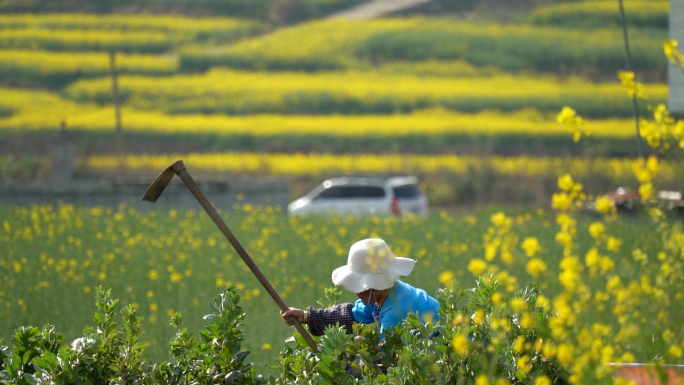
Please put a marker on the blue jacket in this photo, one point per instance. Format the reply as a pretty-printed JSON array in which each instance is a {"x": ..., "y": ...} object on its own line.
[{"x": 401, "y": 300}]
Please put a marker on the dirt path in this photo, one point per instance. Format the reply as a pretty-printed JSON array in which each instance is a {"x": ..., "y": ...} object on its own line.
[{"x": 376, "y": 8}]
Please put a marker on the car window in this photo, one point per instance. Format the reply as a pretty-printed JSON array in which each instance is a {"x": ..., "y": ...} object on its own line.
[
  {"x": 351, "y": 192},
  {"x": 371, "y": 192},
  {"x": 407, "y": 191},
  {"x": 330, "y": 193}
]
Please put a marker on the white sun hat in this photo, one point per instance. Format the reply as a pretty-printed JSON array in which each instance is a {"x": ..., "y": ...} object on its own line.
[{"x": 371, "y": 265}]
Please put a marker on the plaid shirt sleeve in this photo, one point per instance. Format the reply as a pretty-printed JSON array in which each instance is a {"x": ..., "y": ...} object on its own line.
[{"x": 319, "y": 319}]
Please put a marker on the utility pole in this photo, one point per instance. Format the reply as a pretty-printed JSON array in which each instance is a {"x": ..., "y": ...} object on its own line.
[{"x": 117, "y": 107}]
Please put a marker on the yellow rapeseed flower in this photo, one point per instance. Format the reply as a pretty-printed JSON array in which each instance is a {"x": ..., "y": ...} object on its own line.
[
  {"x": 633, "y": 87},
  {"x": 646, "y": 191},
  {"x": 524, "y": 364},
  {"x": 607, "y": 354},
  {"x": 500, "y": 219},
  {"x": 566, "y": 183},
  {"x": 592, "y": 259},
  {"x": 548, "y": 351},
  {"x": 507, "y": 257},
  {"x": 531, "y": 246},
  {"x": 519, "y": 344},
  {"x": 672, "y": 53},
  {"x": 569, "y": 279},
  {"x": 605, "y": 205},
  {"x": 561, "y": 201},
  {"x": 477, "y": 266},
  {"x": 597, "y": 230},
  {"x": 446, "y": 278},
  {"x": 479, "y": 317},
  {"x": 606, "y": 264},
  {"x": 482, "y": 379},
  {"x": 613, "y": 284},
  {"x": 565, "y": 221},
  {"x": 652, "y": 164},
  {"x": 460, "y": 343},
  {"x": 614, "y": 244},
  {"x": 518, "y": 304},
  {"x": 542, "y": 302},
  {"x": 627, "y": 357},
  {"x": 526, "y": 321},
  {"x": 491, "y": 250},
  {"x": 535, "y": 267},
  {"x": 565, "y": 354},
  {"x": 569, "y": 118}
]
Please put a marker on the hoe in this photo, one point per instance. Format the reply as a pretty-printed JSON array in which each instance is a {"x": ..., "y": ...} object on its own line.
[{"x": 157, "y": 188}]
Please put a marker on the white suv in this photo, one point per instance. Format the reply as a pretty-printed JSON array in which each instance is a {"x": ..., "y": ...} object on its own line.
[{"x": 366, "y": 194}]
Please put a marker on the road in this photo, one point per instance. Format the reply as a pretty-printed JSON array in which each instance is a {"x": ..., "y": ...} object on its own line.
[{"x": 376, "y": 8}]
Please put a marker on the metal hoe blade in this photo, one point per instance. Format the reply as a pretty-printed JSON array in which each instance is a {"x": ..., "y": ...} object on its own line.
[{"x": 157, "y": 187}]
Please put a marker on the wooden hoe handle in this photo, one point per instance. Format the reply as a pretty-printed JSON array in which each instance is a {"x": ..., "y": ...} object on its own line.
[{"x": 179, "y": 169}]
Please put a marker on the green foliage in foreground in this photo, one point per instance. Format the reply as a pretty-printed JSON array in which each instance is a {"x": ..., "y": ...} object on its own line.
[
  {"x": 455, "y": 350},
  {"x": 413, "y": 353},
  {"x": 106, "y": 354}
]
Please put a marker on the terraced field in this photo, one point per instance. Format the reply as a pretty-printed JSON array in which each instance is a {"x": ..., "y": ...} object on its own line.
[{"x": 298, "y": 88}]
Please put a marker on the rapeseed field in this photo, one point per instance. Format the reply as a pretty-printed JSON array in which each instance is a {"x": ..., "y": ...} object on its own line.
[{"x": 612, "y": 281}]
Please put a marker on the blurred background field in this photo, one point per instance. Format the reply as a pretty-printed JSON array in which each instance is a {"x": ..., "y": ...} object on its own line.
[{"x": 452, "y": 78}]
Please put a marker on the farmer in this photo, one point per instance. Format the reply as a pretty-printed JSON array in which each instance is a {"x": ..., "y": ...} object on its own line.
[{"x": 372, "y": 273}]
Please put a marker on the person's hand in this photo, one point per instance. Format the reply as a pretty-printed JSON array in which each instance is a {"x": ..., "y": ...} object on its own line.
[{"x": 293, "y": 313}]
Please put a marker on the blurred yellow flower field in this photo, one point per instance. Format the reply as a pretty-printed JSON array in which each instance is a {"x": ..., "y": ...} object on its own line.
[
  {"x": 326, "y": 164},
  {"x": 127, "y": 33},
  {"x": 613, "y": 282},
  {"x": 353, "y": 92},
  {"x": 33, "y": 110},
  {"x": 82, "y": 21},
  {"x": 39, "y": 67}
]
